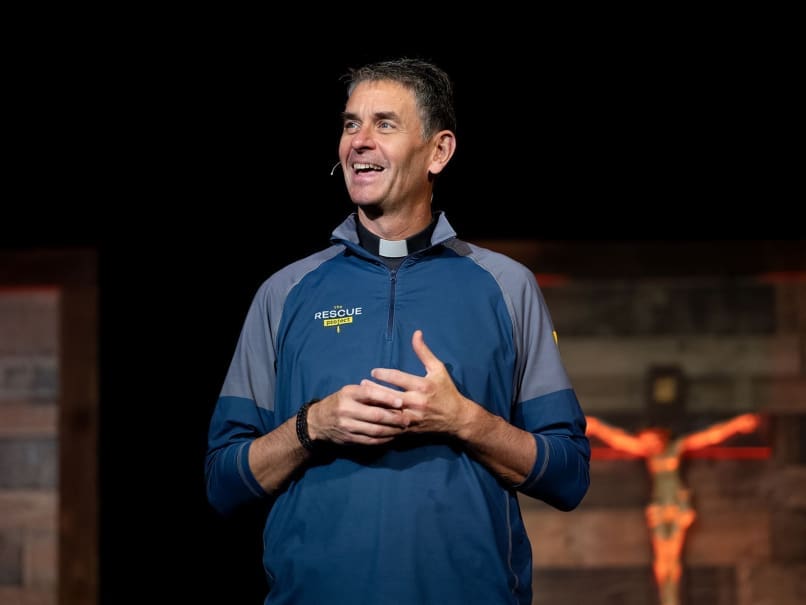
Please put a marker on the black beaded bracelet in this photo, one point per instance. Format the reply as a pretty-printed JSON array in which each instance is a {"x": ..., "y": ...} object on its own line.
[{"x": 302, "y": 427}]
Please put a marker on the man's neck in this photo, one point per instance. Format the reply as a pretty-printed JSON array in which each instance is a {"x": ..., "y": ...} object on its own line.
[
  {"x": 395, "y": 249},
  {"x": 398, "y": 225}
]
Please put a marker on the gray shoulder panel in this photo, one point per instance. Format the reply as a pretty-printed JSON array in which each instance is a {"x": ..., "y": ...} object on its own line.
[
  {"x": 539, "y": 367},
  {"x": 251, "y": 373}
]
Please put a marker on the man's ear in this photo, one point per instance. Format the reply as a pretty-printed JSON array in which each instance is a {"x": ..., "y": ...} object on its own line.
[{"x": 444, "y": 148}]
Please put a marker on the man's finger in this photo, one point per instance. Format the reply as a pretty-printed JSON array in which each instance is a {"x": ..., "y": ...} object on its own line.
[{"x": 430, "y": 361}]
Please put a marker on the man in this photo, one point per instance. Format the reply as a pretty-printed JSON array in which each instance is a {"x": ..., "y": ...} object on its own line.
[{"x": 391, "y": 395}]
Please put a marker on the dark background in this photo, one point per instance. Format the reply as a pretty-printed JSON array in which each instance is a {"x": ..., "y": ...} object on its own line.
[{"x": 196, "y": 161}]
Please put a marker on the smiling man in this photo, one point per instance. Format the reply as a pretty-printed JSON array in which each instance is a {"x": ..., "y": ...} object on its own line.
[{"x": 391, "y": 395}]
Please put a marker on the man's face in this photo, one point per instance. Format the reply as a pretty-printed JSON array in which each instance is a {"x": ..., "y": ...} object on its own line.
[{"x": 384, "y": 156}]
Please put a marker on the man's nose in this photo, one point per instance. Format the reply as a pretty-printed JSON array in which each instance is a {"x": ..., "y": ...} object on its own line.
[{"x": 363, "y": 138}]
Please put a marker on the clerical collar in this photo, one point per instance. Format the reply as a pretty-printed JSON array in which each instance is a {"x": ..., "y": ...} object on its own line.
[{"x": 394, "y": 248}]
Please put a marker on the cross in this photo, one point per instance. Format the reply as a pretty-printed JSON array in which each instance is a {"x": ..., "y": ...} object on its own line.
[{"x": 669, "y": 513}]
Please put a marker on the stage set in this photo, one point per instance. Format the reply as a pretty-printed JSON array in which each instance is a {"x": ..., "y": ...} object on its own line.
[{"x": 692, "y": 376}]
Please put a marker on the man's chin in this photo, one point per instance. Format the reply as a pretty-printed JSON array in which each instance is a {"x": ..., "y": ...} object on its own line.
[
  {"x": 371, "y": 210},
  {"x": 365, "y": 202}
]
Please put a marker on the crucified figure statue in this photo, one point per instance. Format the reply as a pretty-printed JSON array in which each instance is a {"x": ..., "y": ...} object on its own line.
[{"x": 669, "y": 513}]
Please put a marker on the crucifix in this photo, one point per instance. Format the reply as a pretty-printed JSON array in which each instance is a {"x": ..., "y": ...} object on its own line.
[{"x": 670, "y": 512}]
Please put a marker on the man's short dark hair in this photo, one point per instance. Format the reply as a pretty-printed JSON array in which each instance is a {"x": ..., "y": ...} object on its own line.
[{"x": 431, "y": 85}]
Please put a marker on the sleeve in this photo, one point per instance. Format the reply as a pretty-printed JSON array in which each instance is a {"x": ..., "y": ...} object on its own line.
[
  {"x": 561, "y": 474},
  {"x": 547, "y": 406},
  {"x": 243, "y": 412}
]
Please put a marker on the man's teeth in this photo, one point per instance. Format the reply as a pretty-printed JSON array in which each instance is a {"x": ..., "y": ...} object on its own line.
[{"x": 366, "y": 167}]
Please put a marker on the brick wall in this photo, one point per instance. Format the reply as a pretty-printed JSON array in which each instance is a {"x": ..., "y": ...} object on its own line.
[
  {"x": 29, "y": 390},
  {"x": 741, "y": 343}
]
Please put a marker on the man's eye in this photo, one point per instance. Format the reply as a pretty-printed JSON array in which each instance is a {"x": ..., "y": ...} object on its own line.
[
  {"x": 385, "y": 125},
  {"x": 350, "y": 126}
]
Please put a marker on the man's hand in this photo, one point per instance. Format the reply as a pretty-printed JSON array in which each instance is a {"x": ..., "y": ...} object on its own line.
[
  {"x": 430, "y": 403},
  {"x": 366, "y": 414}
]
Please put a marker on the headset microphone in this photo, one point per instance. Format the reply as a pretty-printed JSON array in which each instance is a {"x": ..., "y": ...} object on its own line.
[{"x": 337, "y": 164}]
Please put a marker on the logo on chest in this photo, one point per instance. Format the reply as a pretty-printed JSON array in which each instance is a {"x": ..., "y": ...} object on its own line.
[{"x": 337, "y": 316}]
